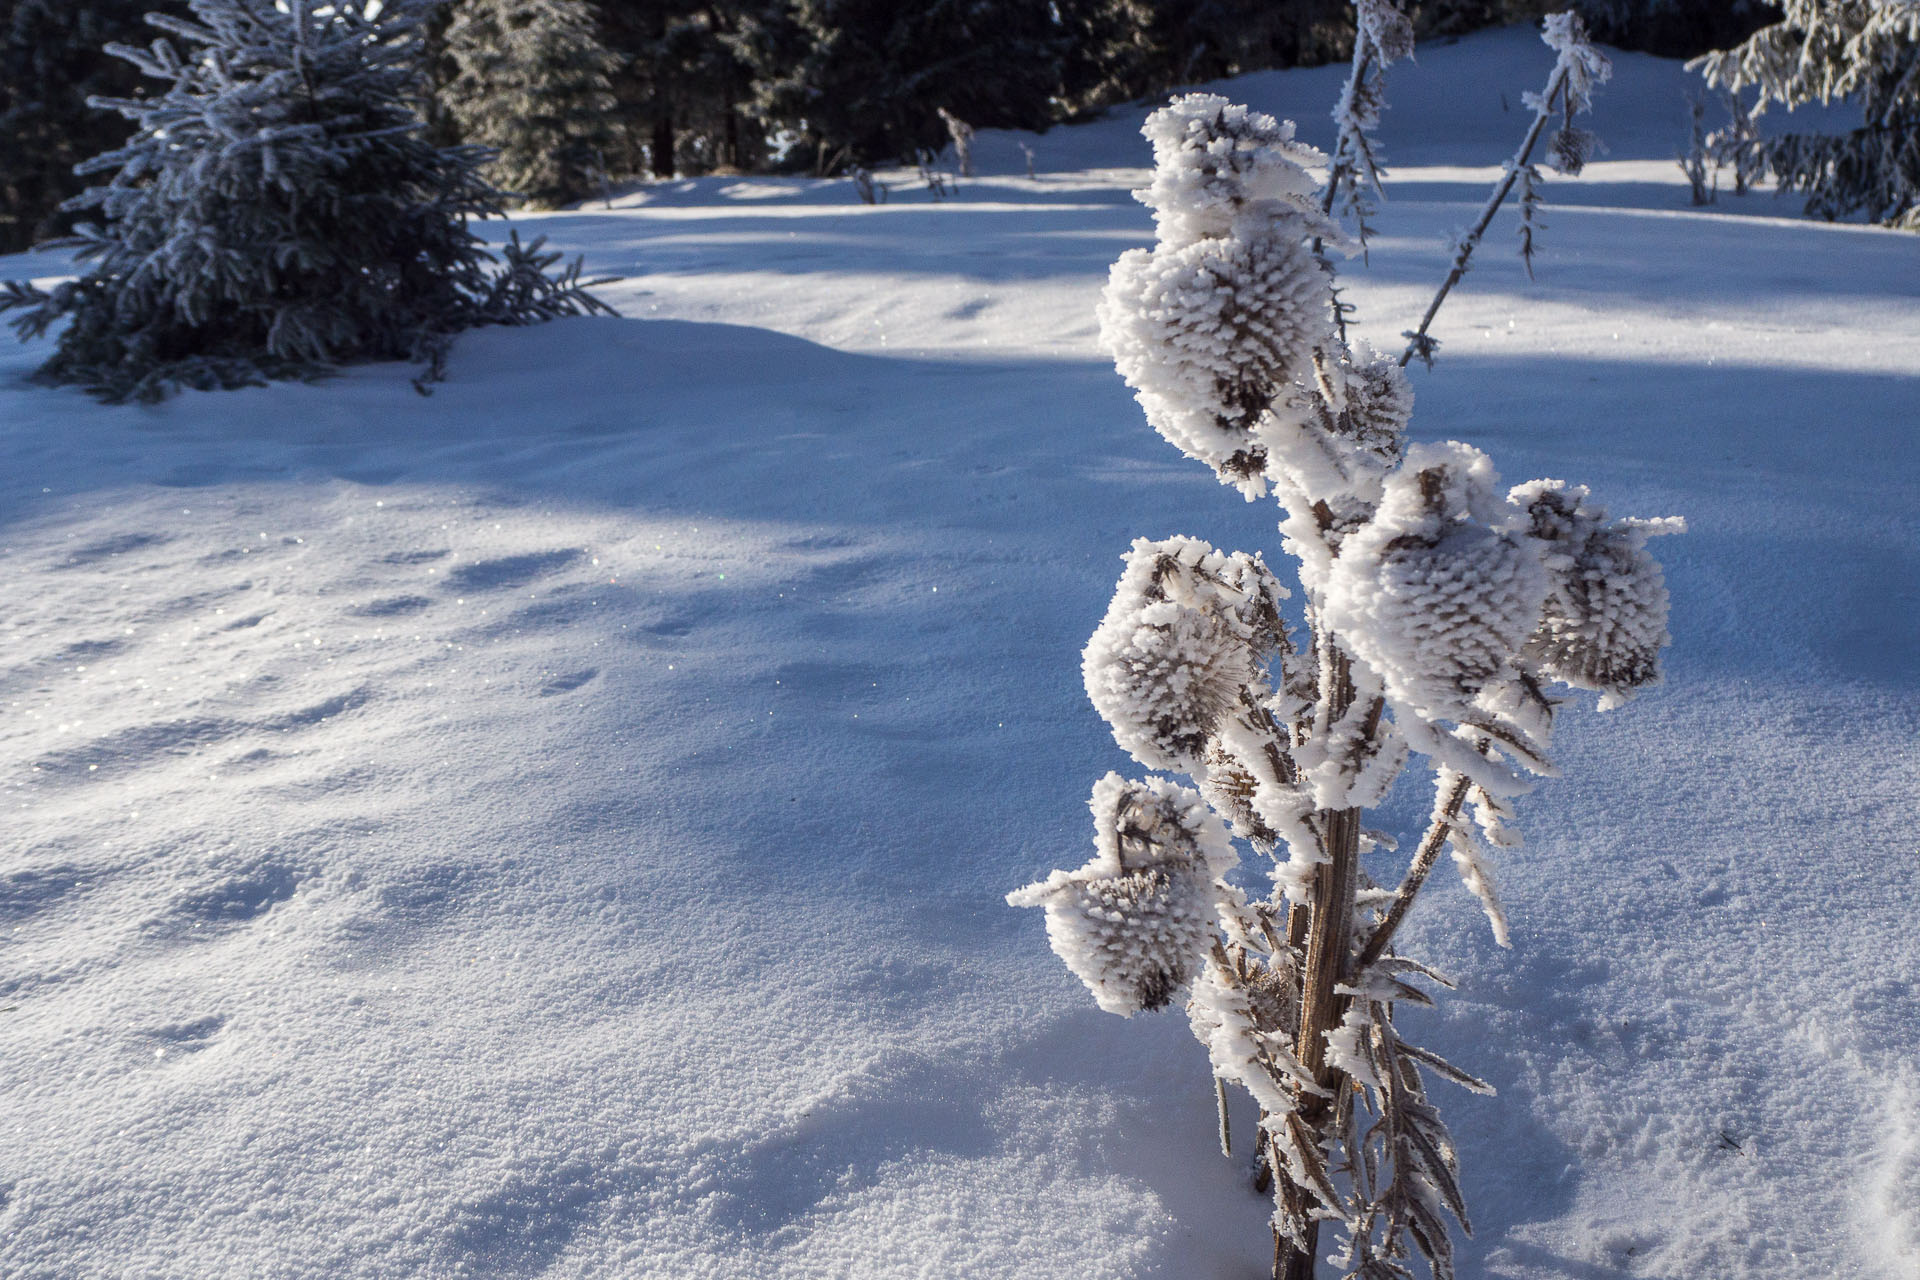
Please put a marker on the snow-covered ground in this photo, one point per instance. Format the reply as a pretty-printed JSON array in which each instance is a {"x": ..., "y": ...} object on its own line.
[{"x": 559, "y": 827}]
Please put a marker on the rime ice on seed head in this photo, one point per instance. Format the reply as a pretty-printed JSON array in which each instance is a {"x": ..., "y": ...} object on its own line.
[
  {"x": 1136, "y": 922},
  {"x": 1189, "y": 628},
  {"x": 1209, "y": 333},
  {"x": 1215, "y": 325},
  {"x": 1434, "y": 594},
  {"x": 1387, "y": 27},
  {"x": 1585, "y": 66},
  {"x": 1379, "y": 403},
  {"x": 1605, "y": 619},
  {"x": 1221, "y": 169},
  {"x": 1566, "y": 34}
]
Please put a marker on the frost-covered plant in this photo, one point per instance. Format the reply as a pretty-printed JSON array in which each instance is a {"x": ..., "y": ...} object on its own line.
[
  {"x": 867, "y": 187},
  {"x": 1382, "y": 35},
  {"x": 279, "y": 212},
  {"x": 962, "y": 134},
  {"x": 1862, "y": 51},
  {"x": 1439, "y": 609},
  {"x": 532, "y": 83},
  {"x": 1694, "y": 161}
]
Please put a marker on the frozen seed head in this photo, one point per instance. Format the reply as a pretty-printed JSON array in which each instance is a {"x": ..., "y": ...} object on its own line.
[
  {"x": 1433, "y": 595},
  {"x": 1136, "y": 922},
  {"x": 1388, "y": 27},
  {"x": 1184, "y": 641},
  {"x": 1379, "y": 404},
  {"x": 1604, "y": 621},
  {"x": 1585, "y": 66},
  {"x": 1210, "y": 334},
  {"x": 1221, "y": 168}
]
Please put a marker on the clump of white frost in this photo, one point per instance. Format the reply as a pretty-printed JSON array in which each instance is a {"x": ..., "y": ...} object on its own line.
[
  {"x": 1137, "y": 921},
  {"x": 1566, "y": 34},
  {"x": 1605, "y": 620},
  {"x": 1583, "y": 67},
  {"x": 1437, "y": 594},
  {"x": 1223, "y": 169},
  {"x": 1378, "y": 401},
  {"x": 1216, "y": 328},
  {"x": 1209, "y": 333},
  {"x": 1222, "y": 1016},
  {"x": 1188, "y": 631}
]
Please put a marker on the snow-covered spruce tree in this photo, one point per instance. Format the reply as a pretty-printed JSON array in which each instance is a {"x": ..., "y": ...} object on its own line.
[
  {"x": 278, "y": 212},
  {"x": 531, "y": 83},
  {"x": 1862, "y": 51},
  {"x": 1439, "y": 611}
]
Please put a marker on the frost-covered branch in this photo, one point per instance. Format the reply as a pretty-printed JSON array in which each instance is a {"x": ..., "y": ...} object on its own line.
[
  {"x": 1569, "y": 91},
  {"x": 1382, "y": 35},
  {"x": 1865, "y": 51}
]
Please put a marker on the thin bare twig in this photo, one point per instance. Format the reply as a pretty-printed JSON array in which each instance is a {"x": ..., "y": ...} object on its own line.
[
  {"x": 1418, "y": 341},
  {"x": 1423, "y": 859}
]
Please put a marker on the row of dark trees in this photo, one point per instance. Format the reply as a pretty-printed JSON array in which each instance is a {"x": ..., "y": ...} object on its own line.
[{"x": 577, "y": 92}]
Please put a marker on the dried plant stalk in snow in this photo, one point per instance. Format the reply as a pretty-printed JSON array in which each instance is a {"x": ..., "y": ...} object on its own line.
[{"x": 1438, "y": 611}]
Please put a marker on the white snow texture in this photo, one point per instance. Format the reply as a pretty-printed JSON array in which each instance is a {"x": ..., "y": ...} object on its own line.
[{"x": 556, "y": 828}]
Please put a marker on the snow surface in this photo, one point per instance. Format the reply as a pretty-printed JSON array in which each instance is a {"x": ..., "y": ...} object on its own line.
[{"x": 560, "y": 826}]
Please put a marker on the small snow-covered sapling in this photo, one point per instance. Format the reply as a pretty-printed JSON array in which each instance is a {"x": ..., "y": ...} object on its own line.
[
  {"x": 1439, "y": 611},
  {"x": 279, "y": 211},
  {"x": 1862, "y": 51}
]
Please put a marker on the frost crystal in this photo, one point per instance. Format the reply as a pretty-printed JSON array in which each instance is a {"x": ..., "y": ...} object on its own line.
[
  {"x": 1433, "y": 595},
  {"x": 1566, "y": 34},
  {"x": 1136, "y": 922},
  {"x": 1605, "y": 619},
  {"x": 1188, "y": 630}
]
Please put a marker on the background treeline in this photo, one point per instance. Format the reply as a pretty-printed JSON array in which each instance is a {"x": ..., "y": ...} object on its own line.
[{"x": 578, "y": 93}]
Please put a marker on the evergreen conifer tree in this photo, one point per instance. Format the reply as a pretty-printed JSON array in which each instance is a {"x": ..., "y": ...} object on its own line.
[
  {"x": 52, "y": 59},
  {"x": 1861, "y": 51},
  {"x": 278, "y": 212},
  {"x": 871, "y": 76},
  {"x": 685, "y": 79},
  {"x": 531, "y": 83}
]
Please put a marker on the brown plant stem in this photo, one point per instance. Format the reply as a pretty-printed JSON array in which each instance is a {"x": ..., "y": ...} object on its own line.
[
  {"x": 1329, "y": 928},
  {"x": 1423, "y": 859}
]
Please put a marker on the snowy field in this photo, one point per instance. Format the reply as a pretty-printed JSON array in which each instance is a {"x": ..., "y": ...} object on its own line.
[{"x": 559, "y": 827}]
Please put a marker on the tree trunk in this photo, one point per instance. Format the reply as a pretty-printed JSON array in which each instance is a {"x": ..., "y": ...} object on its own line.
[{"x": 663, "y": 142}]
